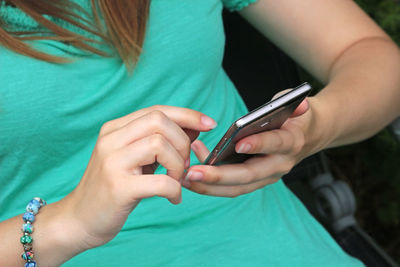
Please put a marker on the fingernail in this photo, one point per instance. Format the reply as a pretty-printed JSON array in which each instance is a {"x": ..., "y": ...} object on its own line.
[
  {"x": 186, "y": 183},
  {"x": 244, "y": 148},
  {"x": 194, "y": 176},
  {"x": 207, "y": 121},
  {"x": 187, "y": 163}
]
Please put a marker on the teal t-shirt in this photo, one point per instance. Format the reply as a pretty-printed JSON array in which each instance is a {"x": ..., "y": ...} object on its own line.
[{"x": 50, "y": 116}]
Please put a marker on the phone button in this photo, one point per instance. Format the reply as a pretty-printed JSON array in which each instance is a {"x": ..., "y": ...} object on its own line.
[{"x": 265, "y": 123}]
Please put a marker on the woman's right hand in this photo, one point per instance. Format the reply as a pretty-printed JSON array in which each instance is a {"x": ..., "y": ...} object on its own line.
[{"x": 120, "y": 171}]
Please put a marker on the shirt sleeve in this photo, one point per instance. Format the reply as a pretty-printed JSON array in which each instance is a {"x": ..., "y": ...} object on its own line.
[{"x": 236, "y": 5}]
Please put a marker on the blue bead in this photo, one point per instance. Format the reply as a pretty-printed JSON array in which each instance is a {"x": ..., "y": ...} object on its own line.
[
  {"x": 28, "y": 217},
  {"x": 30, "y": 264},
  {"x": 41, "y": 201},
  {"x": 27, "y": 228},
  {"x": 33, "y": 206}
]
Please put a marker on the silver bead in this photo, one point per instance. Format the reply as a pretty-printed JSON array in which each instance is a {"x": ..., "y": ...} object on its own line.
[{"x": 27, "y": 247}]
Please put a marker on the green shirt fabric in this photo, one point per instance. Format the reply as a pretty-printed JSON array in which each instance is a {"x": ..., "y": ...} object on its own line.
[{"x": 51, "y": 114}]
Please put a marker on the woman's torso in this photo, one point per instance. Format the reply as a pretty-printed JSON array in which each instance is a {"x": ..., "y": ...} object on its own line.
[{"x": 50, "y": 116}]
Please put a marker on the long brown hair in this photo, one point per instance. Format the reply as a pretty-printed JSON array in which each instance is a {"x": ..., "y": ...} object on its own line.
[{"x": 119, "y": 23}]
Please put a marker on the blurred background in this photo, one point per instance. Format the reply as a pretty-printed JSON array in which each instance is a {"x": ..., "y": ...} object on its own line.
[{"x": 371, "y": 168}]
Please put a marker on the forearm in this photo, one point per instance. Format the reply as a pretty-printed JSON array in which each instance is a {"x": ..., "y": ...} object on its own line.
[
  {"x": 54, "y": 238},
  {"x": 362, "y": 94}
]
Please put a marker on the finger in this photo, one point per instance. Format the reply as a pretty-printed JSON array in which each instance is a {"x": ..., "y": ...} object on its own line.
[
  {"x": 151, "y": 123},
  {"x": 281, "y": 93},
  {"x": 184, "y": 117},
  {"x": 284, "y": 140},
  {"x": 200, "y": 150},
  {"x": 252, "y": 170},
  {"x": 228, "y": 190},
  {"x": 145, "y": 186},
  {"x": 146, "y": 151},
  {"x": 301, "y": 109}
]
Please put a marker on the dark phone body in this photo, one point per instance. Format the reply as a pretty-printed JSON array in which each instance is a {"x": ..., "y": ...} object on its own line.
[{"x": 269, "y": 116}]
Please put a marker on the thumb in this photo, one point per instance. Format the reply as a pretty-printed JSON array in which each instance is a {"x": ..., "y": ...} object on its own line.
[{"x": 301, "y": 109}]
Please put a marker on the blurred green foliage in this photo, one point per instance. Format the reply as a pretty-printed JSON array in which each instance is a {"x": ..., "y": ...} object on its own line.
[
  {"x": 372, "y": 167},
  {"x": 386, "y": 13}
]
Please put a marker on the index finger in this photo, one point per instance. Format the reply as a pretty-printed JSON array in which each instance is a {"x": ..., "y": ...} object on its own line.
[
  {"x": 184, "y": 117},
  {"x": 301, "y": 108}
]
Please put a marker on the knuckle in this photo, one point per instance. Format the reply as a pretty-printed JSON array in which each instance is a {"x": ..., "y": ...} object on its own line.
[
  {"x": 158, "y": 118},
  {"x": 181, "y": 166},
  {"x": 187, "y": 142},
  {"x": 157, "y": 142},
  {"x": 107, "y": 127},
  {"x": 286, "y": 168},
  {"x": 250, "y": 175},
  {"x": 216, "y": 177},
  {"x": 156, "y": 107},
  {"x": 299, "y": 144},
  {"x": 184, "y": 147},
  {"x": 288, "y": 146},
  {"x": 178, "y": 170},
  {"x": 180, "y": 163},
  {"x": 103, "y": 143},
  {"x": 279, "y": 141}
]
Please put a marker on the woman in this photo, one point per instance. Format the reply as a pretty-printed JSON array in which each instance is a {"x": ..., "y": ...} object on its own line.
[{"x": 86, "y": 135}]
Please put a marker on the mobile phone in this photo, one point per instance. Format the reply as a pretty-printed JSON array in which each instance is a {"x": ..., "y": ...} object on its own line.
[{"x": 269, "y": 116}]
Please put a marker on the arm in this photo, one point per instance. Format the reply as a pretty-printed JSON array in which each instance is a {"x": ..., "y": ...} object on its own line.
[
  {"x": 338, "y": 44},
  {"x": 53, "y": 246},
  {"x": 121, "y": 171},
  {"x": 343, "y": 48}
]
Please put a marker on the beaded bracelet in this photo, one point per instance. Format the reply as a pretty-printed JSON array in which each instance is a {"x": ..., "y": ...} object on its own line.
[{"x": 27, "y": 228}]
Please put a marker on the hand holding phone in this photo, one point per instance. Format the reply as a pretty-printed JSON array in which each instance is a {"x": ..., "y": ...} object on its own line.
[{"x": 269, "y": 116}]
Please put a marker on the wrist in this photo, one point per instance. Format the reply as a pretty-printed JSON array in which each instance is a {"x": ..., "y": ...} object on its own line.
[{"x": 57, "y": 235}]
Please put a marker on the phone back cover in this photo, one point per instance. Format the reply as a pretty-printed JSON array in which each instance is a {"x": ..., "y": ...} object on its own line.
[{"x": 274, "y": 120}]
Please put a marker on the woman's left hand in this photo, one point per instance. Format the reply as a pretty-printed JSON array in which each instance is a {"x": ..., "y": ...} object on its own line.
[{"x": 278, "y": 151}]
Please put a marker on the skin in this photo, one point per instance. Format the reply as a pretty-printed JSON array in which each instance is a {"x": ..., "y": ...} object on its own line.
[
  {"x": 337, "y": 43},
  {"x": 343, "y": 48},
  {"x": 121, "y": 171}
]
